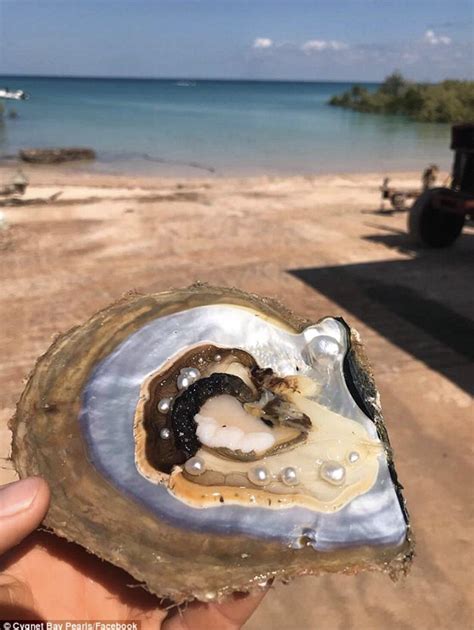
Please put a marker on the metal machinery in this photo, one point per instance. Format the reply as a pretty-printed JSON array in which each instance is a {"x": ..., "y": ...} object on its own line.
[{"x": 437, "y": 217}]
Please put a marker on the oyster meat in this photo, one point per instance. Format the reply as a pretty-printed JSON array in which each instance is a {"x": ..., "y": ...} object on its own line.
[{"x": 206, "y": 440}]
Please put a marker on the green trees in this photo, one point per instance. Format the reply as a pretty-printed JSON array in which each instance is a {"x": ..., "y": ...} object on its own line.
[
  {"x": 449, "y": 101},
  {"x": 394, "y": 85}
]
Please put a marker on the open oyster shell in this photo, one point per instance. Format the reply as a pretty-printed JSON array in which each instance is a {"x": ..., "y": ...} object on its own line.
[{"x": 206, "y": 439}]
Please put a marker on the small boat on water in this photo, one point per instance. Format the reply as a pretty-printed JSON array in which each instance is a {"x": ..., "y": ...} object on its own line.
[
  {"x": 16, "y": 95},
  {"x": 186, "y": 83}
]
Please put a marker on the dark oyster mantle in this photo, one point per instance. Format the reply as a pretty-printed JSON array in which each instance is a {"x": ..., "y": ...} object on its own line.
[
  {"x": 262, "y": 397},
  {"x": 188, "y": 404},
  {"x": 176, "y": 550}
]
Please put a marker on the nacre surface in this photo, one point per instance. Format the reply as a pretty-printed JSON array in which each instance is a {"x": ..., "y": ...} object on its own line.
[{"x": 321, "y": 490}]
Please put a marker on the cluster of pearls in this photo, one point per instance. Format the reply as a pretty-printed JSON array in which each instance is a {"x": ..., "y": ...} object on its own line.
[
  {"x": 333, "y": 472},
  {"x": 164, "y": 406},
  {"x": 195, "y": 466},
  {"x": 187, "y": 377},
  {"x": 261, "y": 476}
]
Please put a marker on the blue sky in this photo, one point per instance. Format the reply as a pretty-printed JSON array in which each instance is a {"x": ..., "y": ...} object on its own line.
[{"x": 255, "y": 39}]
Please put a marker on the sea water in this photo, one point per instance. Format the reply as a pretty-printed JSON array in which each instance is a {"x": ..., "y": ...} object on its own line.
[{"x": 222, "y": 127}]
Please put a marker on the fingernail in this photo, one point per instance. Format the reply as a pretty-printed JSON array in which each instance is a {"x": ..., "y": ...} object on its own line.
[{"x": 17, "y": 496}]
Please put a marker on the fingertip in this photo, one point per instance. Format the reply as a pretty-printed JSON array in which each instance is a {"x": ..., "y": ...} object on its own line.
[
  {"x": 40, "y": 503},
  {"x": 23, "y": 505},
  {"x": 230, "y": 614},
  {"x": 42, "y": 494}
]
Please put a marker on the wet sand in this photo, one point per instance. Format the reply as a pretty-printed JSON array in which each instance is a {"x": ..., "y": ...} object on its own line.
[{"x": 318, "y": 244}]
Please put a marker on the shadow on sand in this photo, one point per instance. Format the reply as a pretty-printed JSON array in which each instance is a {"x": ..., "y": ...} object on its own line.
[{"x": 424, "y": 305}]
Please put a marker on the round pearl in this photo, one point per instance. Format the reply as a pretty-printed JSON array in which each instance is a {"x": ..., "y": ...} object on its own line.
[
  {"x": 184, "y": 381},
  {"x": 289, "y": 476},
  {"x": 333, "y": 472},
  {"x": 193, "y": 373},
  {"x": 165, "y": 433},
  {"x": 195, "y": 466},
  {"x": 259, "y": 476},
  {"x": 323, "y": 349},
  {"x": 164, "y": 405},
  {"x": 353, "y": 457},
  {"x": 217, "y": 357}
]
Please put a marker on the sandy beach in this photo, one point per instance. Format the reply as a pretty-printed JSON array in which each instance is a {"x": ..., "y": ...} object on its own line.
[{"x": 319, "y": 244}]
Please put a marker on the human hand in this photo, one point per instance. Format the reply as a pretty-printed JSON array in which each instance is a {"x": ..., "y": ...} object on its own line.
[{"x": 46, "y": 578}]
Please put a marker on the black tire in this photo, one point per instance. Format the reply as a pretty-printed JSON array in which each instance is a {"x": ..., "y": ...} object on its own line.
[
  {"x": 429, "y": 226},
  {"x": 398, "y": 202}
]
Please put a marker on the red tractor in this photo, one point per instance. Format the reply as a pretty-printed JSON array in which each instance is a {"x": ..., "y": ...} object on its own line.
[{"x": 438, "y": 215}]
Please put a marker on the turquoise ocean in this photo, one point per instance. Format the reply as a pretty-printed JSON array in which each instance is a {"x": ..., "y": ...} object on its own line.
[{"x": 226, "y": 127}]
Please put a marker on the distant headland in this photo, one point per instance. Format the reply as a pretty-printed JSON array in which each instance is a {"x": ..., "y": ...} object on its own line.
[{"x": 450, "y": 101}]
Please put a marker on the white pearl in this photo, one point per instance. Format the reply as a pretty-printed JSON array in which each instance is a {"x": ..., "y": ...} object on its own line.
[
  {"x": 165, "y": 433},
  {"x": 183, "y": 381},
  {"x": 326, "y": 345},
  {"x": 193, "y": 373},
  {"x": 259, "y": 475},
  {"x": 333, "y": 472},
  {"x": 195, "y": 466},
  {"x": 353, "y": 457},
  {"x": 324, "y": 349},
  {"x": 164, "y": 405},
  {"x": 187, "y": 377},
  {"x": 217, "y": 357},
  {"x": 289, "y": 476}
]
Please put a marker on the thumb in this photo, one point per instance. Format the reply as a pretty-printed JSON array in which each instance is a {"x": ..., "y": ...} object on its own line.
[
  {"x": 230, "y": 614},
  {"x": 23, "y": 505}
]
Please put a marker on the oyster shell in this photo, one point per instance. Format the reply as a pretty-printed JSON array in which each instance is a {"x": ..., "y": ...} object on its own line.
[{"x": 206, "y": 439}]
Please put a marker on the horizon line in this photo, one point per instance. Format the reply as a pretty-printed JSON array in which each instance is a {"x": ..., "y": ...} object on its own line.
[{"x": 181, "y": 78}]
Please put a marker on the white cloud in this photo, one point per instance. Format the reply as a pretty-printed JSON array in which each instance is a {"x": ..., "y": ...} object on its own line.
[
  {"x": 263, "y": 42},
  {"x": 410, "y": 57},
  {"x": 430, "y": 37},
  {"x": 316, "y": 45}
]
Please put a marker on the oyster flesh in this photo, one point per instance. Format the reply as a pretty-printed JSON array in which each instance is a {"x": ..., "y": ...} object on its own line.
[{"x": 206, "y": 440}]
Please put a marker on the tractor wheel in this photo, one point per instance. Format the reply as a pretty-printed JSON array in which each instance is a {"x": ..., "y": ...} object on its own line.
[
  {"x": 398, "y": 202},
  {"x": 430, "y": 226}
]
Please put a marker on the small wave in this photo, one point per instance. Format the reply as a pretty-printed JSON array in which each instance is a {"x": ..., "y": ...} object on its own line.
[{"x": 124, "y": 157}]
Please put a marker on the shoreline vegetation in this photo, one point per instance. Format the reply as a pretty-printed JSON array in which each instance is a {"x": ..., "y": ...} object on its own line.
[{"x": 451, "y": 101}]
